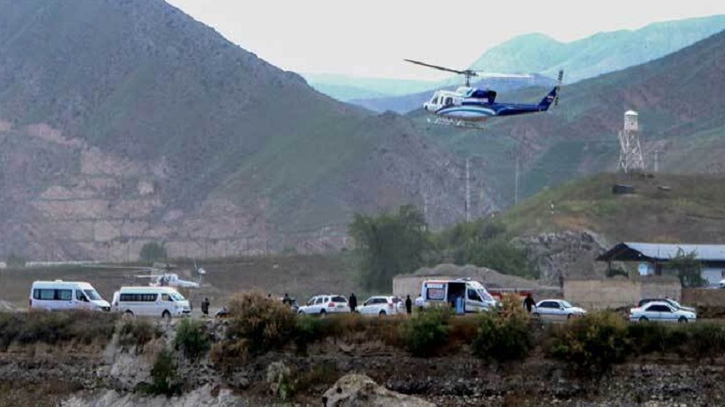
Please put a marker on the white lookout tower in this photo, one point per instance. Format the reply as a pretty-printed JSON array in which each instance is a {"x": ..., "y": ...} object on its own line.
[{"x": 630, "y": 153}]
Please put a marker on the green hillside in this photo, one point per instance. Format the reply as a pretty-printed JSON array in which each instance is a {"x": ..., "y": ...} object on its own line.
[
  {"x": 599, "y": 53},
  {"x": 664, "y": 208}
]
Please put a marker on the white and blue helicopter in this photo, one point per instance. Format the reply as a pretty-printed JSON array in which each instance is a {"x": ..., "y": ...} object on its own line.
[{"x": 467, "y": 106}]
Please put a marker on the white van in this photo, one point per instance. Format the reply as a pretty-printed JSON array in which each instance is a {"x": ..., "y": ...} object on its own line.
[
  {"x": 151, "y": 301},
  {"x": 440, "y": 292},
  {"x": 65, "y": 295}
]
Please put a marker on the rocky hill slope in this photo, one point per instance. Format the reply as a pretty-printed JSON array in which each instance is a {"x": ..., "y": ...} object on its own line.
[{"x": 128, "y": 122}]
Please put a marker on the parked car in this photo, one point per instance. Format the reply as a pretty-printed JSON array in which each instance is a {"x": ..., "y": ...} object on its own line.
[
  {"x": 382, "y": 305},
  {"x": 325, "y": 304},
  {"x": 557, "y": 310},
  {"x": 672, "y": 302},
  {"x": 65, "y": 295},
  {"x": 661, "y": 311}
]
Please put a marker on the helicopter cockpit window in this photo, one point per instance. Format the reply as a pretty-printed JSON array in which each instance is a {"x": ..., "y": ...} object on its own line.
[
  {"x": 434, "y": 101},
  {"x": 449, "y": 101}
]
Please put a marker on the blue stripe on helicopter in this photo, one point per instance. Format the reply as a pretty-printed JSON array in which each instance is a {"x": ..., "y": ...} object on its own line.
[{"x": 446, "y": 110}]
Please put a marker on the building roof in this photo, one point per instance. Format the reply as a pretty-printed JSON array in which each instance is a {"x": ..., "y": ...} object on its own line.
[{"x": 636, "y": 251}]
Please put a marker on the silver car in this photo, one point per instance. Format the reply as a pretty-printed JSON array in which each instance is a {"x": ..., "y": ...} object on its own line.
[
  {"x": 661, "y": 311},
  {"x": 556, "y": 310}
]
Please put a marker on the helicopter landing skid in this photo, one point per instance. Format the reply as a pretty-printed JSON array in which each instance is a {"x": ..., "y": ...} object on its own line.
[{"x": 457, "y": 123}]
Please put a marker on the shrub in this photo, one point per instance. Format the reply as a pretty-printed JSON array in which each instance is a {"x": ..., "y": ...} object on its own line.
[
  {"x": 593, "y": 343},
  {"x": 706, "y": 340},
  {"x": 308, "y": 330},
  {"x": 152, "y": 251},
  {"x": 648, "y": 337},
  {"x": 55, "y": 327},
  {"x": 192, "y": 338},
  {"x": 504, "y": 335},
  {"x": 261, "y": 323},
  {"x": 164, "y": 375},
  {"x": 427, "y": 332},
  {"x": 137, "y": 332}
]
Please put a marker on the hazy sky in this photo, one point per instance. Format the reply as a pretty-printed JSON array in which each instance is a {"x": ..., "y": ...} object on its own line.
[{"x": 371, "y": 37}]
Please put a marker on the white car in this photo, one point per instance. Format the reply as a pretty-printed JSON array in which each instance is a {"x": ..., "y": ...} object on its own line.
[
  {"x": 661, "y": 311},
  {"x": 325, "y": 304},
  {"x": 382, "y": 305},
  {"x": 556, "y": 310}
]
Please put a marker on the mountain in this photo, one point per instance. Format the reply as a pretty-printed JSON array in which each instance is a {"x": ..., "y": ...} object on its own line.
[
  {"x": 598, "y": 54},
  {"x": 406, "y": 103},
  {"x": 346, "y": 88},
  {"x": 125, "y": 122},
  {"x": 680, "y": 99}
]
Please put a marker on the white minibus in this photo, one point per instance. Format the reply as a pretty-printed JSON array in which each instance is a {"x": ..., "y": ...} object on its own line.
[
  {"x": 65, "y": 295},
  {"x": 151, "y": 301}
]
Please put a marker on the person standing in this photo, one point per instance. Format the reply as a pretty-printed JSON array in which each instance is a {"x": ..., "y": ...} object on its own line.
[
  {"x": 529, "y": 303},
  {"x": 353, "y": 302},
  {"x": 205, "y": 307},
  {"x": 408, "y": 305}
]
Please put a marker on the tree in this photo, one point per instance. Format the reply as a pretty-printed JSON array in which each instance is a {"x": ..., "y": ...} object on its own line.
[
  {"x": 687, "y": 268},
  {"x": 15, "y": 260},
  {"x": 389, "y": 245},
  {"x": 152, "y": 251}
]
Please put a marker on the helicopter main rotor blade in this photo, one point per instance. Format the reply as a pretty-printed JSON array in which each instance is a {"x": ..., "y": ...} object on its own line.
[
  {"x": 483, "y": 74},
  {"x": 119, "y": 267},
  {"x": 442, "y": 68}
]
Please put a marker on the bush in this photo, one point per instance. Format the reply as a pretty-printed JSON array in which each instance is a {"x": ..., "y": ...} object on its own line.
[
  {"x": 427, "y": 332},
  {"x": 648, "y": 338},
  {"x": 137, "y": 332},
  {"x": 308, "y": 330},
  {"x": 260, "y": 323},
  {"x": 706, "y": 340},
  {"x": 593, "y": 343},
  {"x": 164, "y": 375},
  {"x": 192, "y": 338},
  {"x": 504, "y": 335}
]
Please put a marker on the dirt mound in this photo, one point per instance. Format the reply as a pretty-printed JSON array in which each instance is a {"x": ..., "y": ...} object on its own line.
[{"x": 490, "y": 278}]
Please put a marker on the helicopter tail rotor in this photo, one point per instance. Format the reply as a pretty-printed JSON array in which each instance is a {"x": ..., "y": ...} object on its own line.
[{"x": 558, "y": 87}]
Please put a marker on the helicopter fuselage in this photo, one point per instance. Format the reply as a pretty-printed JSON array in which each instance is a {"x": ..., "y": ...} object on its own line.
[{"x": 472, "y": 104}]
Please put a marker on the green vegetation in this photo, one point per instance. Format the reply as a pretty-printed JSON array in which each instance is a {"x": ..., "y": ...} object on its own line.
[
  {"x": 592, "y": 343},
  {"x": 152, "y": 251},
  {"x": 55, "y": 328},
  {"x": 653, "y": 214},
  {"x": 192, "y": 339},
  {"x": 427, "y": 332},
  {"x": 504, "y": 335},
  {"x": 389, "y": 245},
  {"x": 165, "y": 376},
  {"x": 258, "y": 325},
  {"x": 137, "y": 332},
  {"x": 687, "y": 268}
]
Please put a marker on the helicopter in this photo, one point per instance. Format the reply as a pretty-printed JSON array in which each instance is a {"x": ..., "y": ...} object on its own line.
[
  {"x": 468, "y": 105},
  {"x": 161, "y": 276}
]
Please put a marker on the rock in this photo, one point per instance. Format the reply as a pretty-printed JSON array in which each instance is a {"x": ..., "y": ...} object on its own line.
[
  {"x": 279, "y": 380},
  {"x": 356, "y": 390}
]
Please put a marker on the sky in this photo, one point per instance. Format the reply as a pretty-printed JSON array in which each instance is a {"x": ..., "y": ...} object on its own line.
[{"x": 371, "y": 37}]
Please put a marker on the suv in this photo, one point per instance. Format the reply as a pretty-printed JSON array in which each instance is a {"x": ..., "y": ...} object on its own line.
[
  {"x": 382, "y": 305},
  {"x": 325, "y": 304},
  {"x": 670, "y": 301}
]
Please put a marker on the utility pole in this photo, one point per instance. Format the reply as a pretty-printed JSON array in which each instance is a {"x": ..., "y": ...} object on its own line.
[
  {"x": 656, "y": 159},
  {"x": 516, "y": 182},
  {"x": 468, "y": 190}
]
